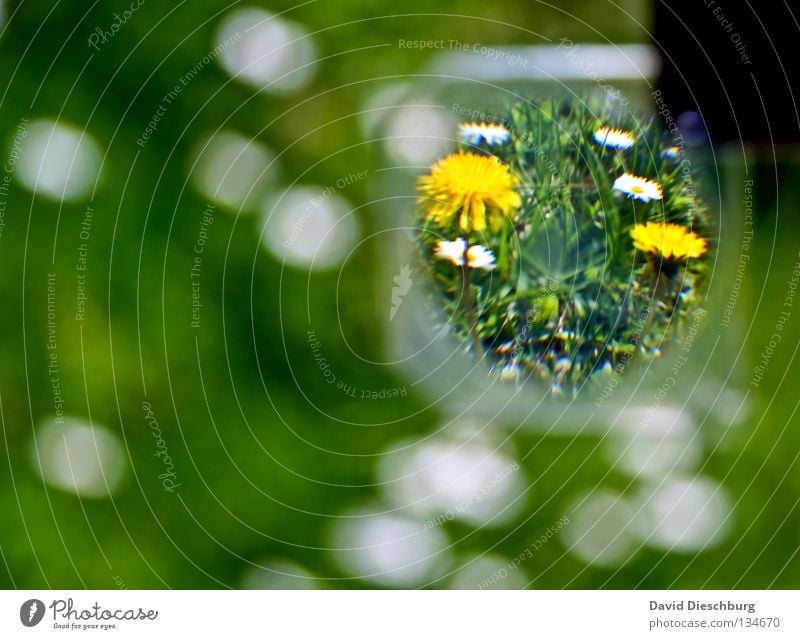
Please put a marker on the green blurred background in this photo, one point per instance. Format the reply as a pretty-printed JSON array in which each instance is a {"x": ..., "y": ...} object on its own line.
[{"x": 275, "y": 466}]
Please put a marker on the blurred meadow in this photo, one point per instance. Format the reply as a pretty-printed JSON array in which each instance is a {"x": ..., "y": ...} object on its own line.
[{"x": 208, "y": 381}]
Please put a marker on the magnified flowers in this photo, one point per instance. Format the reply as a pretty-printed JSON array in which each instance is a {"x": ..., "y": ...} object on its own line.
[
  {"x": 477, "y": 256},
  {"x": 490, "y": 133},
  {"x": 470, "y": 187},
  {"x": 563, "y": 277},
  {"x": 638, "y": 187},
  {"x": 667, "y": 240},
  {"x": 615, "y": 138}
]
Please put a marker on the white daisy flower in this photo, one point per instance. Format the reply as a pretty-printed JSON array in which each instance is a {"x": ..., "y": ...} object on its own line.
[
  {"x": 475, "y": 132},
  {"x": 615, "y": 138},
  {"x": 480, "y": 257},
  {"x": 477, "y": 256},
  {"x": 453, "y": 251},
  {"x": 638, "y": 187}
]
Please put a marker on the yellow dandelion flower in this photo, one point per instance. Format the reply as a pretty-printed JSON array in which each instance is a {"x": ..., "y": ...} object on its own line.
[
  {"x": 671, "y": 241},
  {"x": 614, "y": 138},
  {"x": 474, "y": 187},
  {"x": 638, "y": 187}
]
